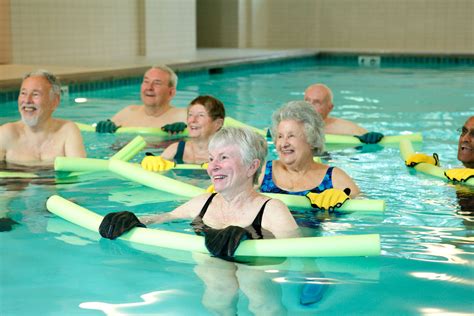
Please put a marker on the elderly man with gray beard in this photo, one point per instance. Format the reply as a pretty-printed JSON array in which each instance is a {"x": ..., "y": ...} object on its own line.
[{"x": 38, "y": 138}]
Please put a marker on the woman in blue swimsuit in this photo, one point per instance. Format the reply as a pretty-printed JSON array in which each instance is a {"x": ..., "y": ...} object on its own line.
[
  {"x": 205, "y": 117},
  {"x": 298, "y": 135}
]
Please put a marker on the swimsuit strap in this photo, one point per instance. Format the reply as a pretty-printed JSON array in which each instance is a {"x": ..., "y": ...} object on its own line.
[
  {"x": 180, "y": 152},
  {"x": 257, "y": 222},
  {"x": 206, "y": 205}
]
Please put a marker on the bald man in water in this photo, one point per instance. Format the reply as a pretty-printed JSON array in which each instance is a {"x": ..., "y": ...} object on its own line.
[
  {"x": 38, "y": 138},
  {"x": 157, "y": 90},
  {"x": 321, "y": 97}
]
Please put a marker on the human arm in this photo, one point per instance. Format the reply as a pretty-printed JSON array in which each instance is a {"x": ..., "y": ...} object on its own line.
[
  {"x": 341, "y": 181},
  {"x": 4, "y": 139},
  {"x": 339, "y": 126},
  {"x": 278, "y": 220},
  {"x": 170, "y": 152},
  {"x": 188, "y": 210},
  {"x": 74, "y": 145}
]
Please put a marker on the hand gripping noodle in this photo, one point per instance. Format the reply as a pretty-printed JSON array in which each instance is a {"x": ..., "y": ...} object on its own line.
[
  {"x": 348, "y": 139},
  {"x": 406, "y": 150},
  {"x": 163, "y": 183},
  {"x": 332, "y": 246},
  {"x": 133, "y": 130}
]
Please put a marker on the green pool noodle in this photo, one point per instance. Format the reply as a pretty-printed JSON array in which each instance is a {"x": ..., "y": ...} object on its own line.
[
  {"x": 17, "y": 174},
  {"x": 406, "y": 150},
  {"x": 231, "y": 122},
  {"x": 131, "y": 130},
  {"x": 331, "y": 246},
  {"x": 348, "y": 139},
  {"x": 163, "y": 183},
  {"x": 75, "y": 164},
  {"x": 131, "y": 149},
  {"x": 154, "y": 180}
]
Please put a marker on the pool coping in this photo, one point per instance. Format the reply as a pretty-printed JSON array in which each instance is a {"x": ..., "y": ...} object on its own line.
[{"x": 87, "y": 77}]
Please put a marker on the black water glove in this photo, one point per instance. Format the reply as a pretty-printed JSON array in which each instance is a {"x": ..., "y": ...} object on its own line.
[
  {"x": 174, "y": 128},
  {"x": 106, "y": 126},
  {"x": 6, "y": 224},
  {"x": 370, "y": 137},
  {"x": 115, "y": 224},
  {"x": 222, "y": 243}
]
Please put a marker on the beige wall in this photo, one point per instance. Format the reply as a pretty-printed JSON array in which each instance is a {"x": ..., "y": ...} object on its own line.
[
  {"x": 444, "y": 26},
  {"x": 5, "y": 33},
  {"x": 71, "y": 31},
  {"x": 218, "y": 23},
  {"x": 170, "y": 27}
]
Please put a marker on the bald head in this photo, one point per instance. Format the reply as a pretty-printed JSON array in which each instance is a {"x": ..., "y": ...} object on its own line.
[{"x": 320, "y": 96}]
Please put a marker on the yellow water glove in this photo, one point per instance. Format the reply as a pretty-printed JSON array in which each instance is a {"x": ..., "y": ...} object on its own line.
[
  {"x": 204, "y": 165},
  {"x": 417, "y": 158},
  {"x": 156, "y": 163},
  {"x": 459, "y": 175},
  {"x": 329, "y": 199},
  {"x": 211, "y": 189}
]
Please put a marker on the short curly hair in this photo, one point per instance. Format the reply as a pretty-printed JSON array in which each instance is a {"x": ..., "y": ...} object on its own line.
[{"x": 303, "y": 112}]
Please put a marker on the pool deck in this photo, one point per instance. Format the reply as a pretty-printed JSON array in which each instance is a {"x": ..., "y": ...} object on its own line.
[{"x": 105, "y": 69}]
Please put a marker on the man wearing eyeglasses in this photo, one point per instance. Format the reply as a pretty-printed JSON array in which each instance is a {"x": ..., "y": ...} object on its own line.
[{"x": 465, "y": 155}]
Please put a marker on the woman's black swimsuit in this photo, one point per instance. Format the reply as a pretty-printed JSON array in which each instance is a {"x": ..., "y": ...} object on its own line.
[{"x": 255, "y": 229}]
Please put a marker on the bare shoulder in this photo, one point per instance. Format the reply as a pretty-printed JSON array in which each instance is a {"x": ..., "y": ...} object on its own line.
[
  {"x": 10, "y": 127},
  {"x": 67, "y": 126},
  {"x": 178, "y": 113},
  {"x": 277, "y": 210},
  {"x": 127, "y": 110},
  {"x": 335, "y": 125},
  {"x": 191, "y": 208},
  {"x": 342, "y": 180},
  {"x": 10, "y": 131},
  {"x": 278, "y": 220},
  {"x": 170, "y": 151}
]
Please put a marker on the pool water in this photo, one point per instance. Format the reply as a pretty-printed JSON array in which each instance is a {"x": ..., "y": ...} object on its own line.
[{"x": 51, "y": 267}]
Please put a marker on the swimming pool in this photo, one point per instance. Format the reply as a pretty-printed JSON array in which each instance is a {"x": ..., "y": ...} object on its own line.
[{"x": 51, "y": 267}]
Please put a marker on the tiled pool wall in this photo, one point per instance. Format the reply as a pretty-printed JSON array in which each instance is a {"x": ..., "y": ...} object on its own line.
[{"x": 363, "y": 60}]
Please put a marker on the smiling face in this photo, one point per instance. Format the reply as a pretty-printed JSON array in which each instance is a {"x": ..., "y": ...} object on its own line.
[
  {"x": 226, "y": 169},
  {"x": 36, "y": 102},
  {"x": 200, "y": 124},
  {"x": 155, "y": 89},
  {"x": 291, "y": 144},
  {"x": 466, "y": 144}
]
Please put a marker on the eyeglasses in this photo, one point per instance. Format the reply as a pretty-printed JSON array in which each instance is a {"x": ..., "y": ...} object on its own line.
[{"x": 463, "y": 131}]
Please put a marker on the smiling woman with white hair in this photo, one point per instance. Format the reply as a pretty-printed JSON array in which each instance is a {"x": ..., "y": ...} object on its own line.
[
  {"x": 236, "y": 211},
  {"x": 298, "y": 134}
]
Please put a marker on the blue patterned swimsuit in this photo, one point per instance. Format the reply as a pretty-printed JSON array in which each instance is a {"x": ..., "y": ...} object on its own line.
[{"x": 269, "y": 186}]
